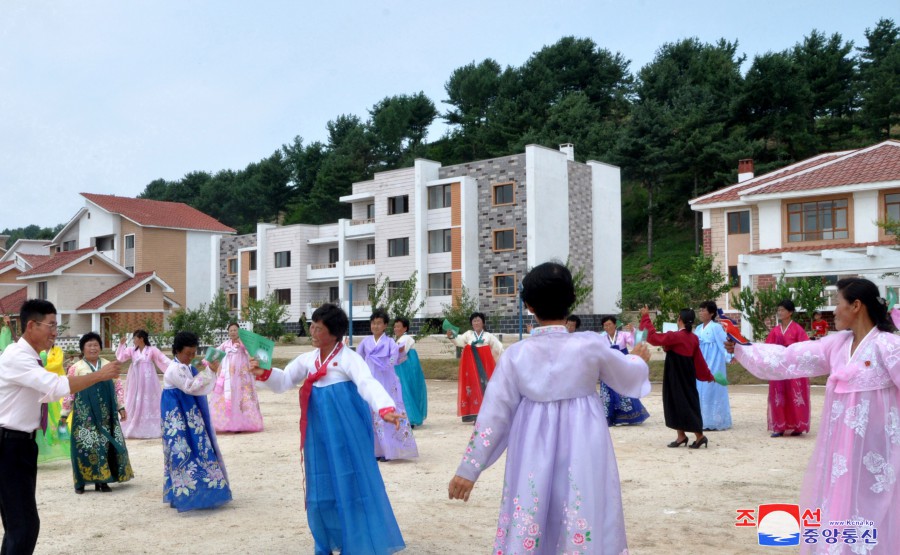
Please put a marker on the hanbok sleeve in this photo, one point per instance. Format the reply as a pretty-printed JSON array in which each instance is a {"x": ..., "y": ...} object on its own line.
[
  {"x": 720, "y": 337},
  {"x": 491, "y": 434},
  {"x": 293, "y": 375},
  {"x": 628, "y": 375},
  {"x": 394, "y": 352},
  {"x": 775, "y": 362},
  {"x": 120, "y": 393},
  {"x": 655, "y": 338},
  {"x": 462, "y": 339},
  {"x": 628, "y": 337},
  {"x": 363, "y": 349},
  {"x": 496, "y": 346},
  {"x": 180, "y": 376},
  {"x": 162, "y": 361},
  {"x": 69, "y": 399},
  {"x": 123, "y": 352},
  {"x": 701, "y": 369},
  {"x": 369, "y": 388}
]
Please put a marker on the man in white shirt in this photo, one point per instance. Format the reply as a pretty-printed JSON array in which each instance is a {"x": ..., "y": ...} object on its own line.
[{"x": 25, "y": 388}]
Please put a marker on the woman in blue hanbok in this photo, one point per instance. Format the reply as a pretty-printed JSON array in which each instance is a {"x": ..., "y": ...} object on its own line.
[
  {"x": 412, "y": 379},
  {"x": 714, "y": 404},
  {"x": 620, "y": 410},
  {"x": 195, "y": 476}
]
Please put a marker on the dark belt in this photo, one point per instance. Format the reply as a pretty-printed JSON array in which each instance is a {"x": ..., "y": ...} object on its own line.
[{"x": 15, "y": 434}]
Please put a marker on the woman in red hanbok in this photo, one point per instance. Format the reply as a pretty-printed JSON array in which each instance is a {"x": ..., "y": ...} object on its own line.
[
  {"x": 788, "y": 399},
  {"x": 481, "y": 350}
]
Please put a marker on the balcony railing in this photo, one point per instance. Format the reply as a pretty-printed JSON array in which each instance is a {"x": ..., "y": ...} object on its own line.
[
  {"x": 364, "y": 262},
  {"x": 323, "y": 266},
  {"x": 362, "y": 221},
  {"x": 441, "y": 292}
]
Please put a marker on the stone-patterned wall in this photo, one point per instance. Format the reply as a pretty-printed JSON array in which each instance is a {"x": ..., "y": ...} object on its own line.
[
  {"x": 228, "y": 248},
  {"x": 707, "y": 242},
  {"x": 581, "y": 235},
  {"x": 486, "y": 173},
  {"x": 127, "y": 322}
]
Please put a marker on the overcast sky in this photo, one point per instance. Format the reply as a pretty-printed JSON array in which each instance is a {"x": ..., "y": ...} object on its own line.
[{"x": 104, "y": 97}]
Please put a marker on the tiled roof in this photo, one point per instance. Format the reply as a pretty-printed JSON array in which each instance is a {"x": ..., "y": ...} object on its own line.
[
  {"x": 35, "y": 259},
  {"x": 809, "y": 248},
  {"x": 56, "y": 262},
  {"x": 157, "y": 213},
  {"x": 116, "y": 291},
  {"x": 12, "y": 303},
  {"x": 874, "y": 164},
  {"x": 5, "y": 265}
]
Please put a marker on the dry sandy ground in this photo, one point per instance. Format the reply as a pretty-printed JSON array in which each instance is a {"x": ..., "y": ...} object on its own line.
[{"x": 674, "y": 499}]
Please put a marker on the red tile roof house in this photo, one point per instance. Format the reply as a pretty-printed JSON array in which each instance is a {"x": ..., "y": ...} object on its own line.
[
  {"x": 93, "y": 293},
  {"x": 817, "y": 217},
  {"x": 179, "y": 243}
]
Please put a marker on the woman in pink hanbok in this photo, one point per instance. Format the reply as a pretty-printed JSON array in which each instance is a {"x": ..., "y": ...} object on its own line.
[
  {"x": 788, "y": 399},
  {"x": 852, "y": 475},
  {"x": 561, "y": 490},
  {"x": 233, "y": 403},
  {"x": 381, "y": 354},
  {"x": 142, "y": 389}
]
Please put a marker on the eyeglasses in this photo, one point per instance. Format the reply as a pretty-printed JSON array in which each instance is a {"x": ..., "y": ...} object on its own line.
[{"x": 53, "y": 325}]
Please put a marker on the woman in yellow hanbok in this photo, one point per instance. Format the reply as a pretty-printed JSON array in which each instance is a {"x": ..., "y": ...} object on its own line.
[{"x": 54, "y": 443}]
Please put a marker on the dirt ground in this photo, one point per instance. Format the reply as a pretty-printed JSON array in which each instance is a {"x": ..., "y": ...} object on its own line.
[{"x": 673, "y": 498}]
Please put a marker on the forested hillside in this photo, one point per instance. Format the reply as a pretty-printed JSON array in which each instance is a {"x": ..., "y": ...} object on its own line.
[{"x": 676, "y": 127}]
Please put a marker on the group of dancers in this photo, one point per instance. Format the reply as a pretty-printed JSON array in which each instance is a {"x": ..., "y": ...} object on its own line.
[{"x": 537, "y": 401}]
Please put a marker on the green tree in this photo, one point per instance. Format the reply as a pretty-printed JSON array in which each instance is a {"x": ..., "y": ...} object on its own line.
[
  {"x": 399, "y": 125},
  {"x": 266, "y": 316},
  {"x": 399, "y": 302},
  {"x": 759, "y": 306},
  {"x": 195, "y": 321},
  {"x": 583, "y": 288},
  {"x": 880, "y": 79},
  {"x": 808, "y": 294},
  {"x": 217, "y": 313},
  {"x": 458, "y": 312}
]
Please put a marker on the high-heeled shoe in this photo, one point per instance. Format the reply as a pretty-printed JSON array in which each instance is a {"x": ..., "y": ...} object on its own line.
[
  {"x": 678, "y": 443},
  {"x": 704, "y": 441}
]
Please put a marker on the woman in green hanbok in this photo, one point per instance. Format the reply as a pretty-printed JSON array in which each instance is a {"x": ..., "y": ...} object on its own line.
[
  {"x": 53, "y": 444},
  {"x": 98, "y": 448}
]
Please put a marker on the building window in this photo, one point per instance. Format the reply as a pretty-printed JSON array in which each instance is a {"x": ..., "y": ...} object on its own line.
[
  {"x": 283, "y": 259},
  {"x": 232, "y": 266},
  {"x": 505, "y": 285},
  {"x": 439, "y": 196},
  {"x": 505, "y": 240},
  {"x": 734, "y": 279},
  {"x": 70, "y": 245},
  {"x": 42, "y": 290},
  {"x": 130, "y": 268},
  {"x": 394, "y": 287},
  {"x": 398, "y": 247},
  {"x": 370, "y": 251},
  {"x": 738, "y": 222},
  {"x": 129, "y": 241},
  {"x": 148, "y": 288},
  {"x": 439, "y": 241},
  {"x": 398, "y": 205},
  {"x": 892, "y": 209},
  {"x": 334, "y": 293},
  {"x": 440, "y": 284},
  {"x": 504, "y": 193},
  {"x": 232, "y": 301},
  {"x": 333, "y": 256},
  {"x": 817, "y": 221},
  {"x": 105, "y": 243},
  {"x": 251, "y": 292},
  {"x": 370, "y": 211},
  {"x": 252, "y": 260},
  {"x": 283, "y": 296}
]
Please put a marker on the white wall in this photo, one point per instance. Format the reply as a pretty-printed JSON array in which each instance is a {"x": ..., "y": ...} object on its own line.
[
  {"x": 100, "y": 223},
  {"x": 547, "y": 190},
  {"x": 201, "y": 268},
  {"x": 606, "y": 208},
  {"x": 865, "y": 214},
  {"x": 769, "y": 224},
  {"x": 291, "y": 238}
]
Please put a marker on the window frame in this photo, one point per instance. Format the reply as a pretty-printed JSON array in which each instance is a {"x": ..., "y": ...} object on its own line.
[
  {"x": 404, "y": 208},
  {"x": 280, "y": 296},
  {"x": 446, "y": 240},
  {"x": 228, "y": 263},
  {"x": 447, "y": 278},
  {"x": 740, "y": 222},
  {"x": 43, "y": 290},
  {"x": 801, "y": 202},
  {"x": 131, "y": 235},
  {"x": 495, "y": 186},
  {"x": 446, "y": 196},
  {"x": 404, "y": 250},
  {"x": 232, "y": 301},
  {"x": 495, "y": 287},
  {"x": 283, "y": 264},
  {"x": 494, "y": 234},
  {"x": 252, "y": 260}
]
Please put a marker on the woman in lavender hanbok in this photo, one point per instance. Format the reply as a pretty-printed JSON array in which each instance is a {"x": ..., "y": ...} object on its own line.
[
  {"x": 233, "y": 401},
  {"x": 852, "y": 474},
  {"x": 142, "y": 389},
  {"x": 561, "y": 490},
  {"x": 381, "y": 354},
  {"x": 714, "y": 404}
]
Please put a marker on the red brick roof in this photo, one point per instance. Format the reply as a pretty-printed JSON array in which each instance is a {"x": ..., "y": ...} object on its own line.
[
  {"x": 116, "y": 291},
  {"x": 35, "y": 259},
  {"x": 873, "y": 164},
  {"x": 56, "y": 262},
  {"x": 157, "y": 213},
  {"x": 5, "y": 265},
  {"x": 808, "y": 248},
  {"x": 12, "y": 303}
]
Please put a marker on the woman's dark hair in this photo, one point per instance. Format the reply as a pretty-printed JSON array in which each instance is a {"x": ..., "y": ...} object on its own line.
[
  {"x": 404, "y": 321},
  {"x": 788, "y": 305},
  {"x": 183, "y": 340},
  {"x": 608, "y": 318},
  {"x": 816, "y": 312},
  {"x": 228, "y": 327},
  {"x": 333, "y": 318},
  {"x": 866, "y": 292},
  {"x": 687, "y": 317},
  {"x": 549, "y": 291},
  {"x": 710, "y": 307},
  {"x": 143, "y": 335},
  {"x": 577, "y": 320},
  {"x": 89, "y": 336},
  {"x": 380, "y": 313},
  {"x": 478, "y": 315}
]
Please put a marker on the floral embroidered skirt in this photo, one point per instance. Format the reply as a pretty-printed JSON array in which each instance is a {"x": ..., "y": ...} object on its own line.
[
  {"x": 98, "y": 449},
  {"x": 347, "y": 506},
  {"x": 195, "y": 475}
]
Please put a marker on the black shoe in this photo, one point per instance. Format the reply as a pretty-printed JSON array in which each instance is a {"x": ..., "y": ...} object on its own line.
[
  {"x": 103, "y": 487},
  {"x": 796, "y": 433},
  {"x": 79, "y": 490},
  {"x": 678, "y": 443},
  {"x": 704, "y": 441},
  {"x": 469, "y": 418},
  {"x": 777, "y": 434}
]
